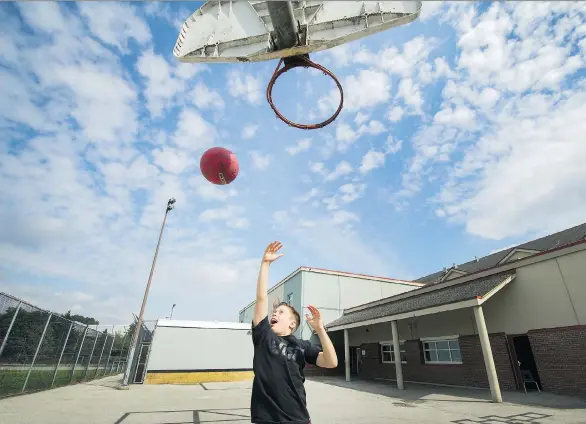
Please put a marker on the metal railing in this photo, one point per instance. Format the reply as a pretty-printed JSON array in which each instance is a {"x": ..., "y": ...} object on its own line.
[{"x": 40, "y": 349}]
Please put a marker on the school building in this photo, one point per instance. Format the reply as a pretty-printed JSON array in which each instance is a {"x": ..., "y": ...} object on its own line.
[
  {"x": 331, "y": 291},
  {"x": 515, "y": 319}
]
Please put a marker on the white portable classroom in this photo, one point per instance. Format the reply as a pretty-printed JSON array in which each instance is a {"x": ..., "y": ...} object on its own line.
[{"x": 193, "y": 352}]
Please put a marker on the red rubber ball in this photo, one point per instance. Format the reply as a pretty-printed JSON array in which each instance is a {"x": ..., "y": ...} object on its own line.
[{"x": 219, "y": 166}]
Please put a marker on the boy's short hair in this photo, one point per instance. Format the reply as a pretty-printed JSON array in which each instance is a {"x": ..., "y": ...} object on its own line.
[{"x": 296, "y": 315}]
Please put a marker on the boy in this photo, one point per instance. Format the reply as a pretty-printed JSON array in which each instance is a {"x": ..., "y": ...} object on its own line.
[{"x": 278, "y": 394}]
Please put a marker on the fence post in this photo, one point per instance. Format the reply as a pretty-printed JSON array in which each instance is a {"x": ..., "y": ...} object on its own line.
[
  {"x": 36, "y": 352},
  {"x": 9, "y": 328},
  {"x": 110, "y": 353},
  {"x": 92, "y": 352},
  {"x": 78, "y": 353},
  {"x": 101, "y": 353},
  {"x": 61, "y": 355},
  {"x": 121, "y": 352}
]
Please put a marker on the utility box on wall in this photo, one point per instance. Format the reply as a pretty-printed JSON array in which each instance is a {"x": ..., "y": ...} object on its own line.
[{"x": 193, "y": 352}]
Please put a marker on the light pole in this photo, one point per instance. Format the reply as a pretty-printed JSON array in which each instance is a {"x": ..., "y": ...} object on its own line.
[
  {"x": 173, "y": 307},
  {"x": 170, "y": 206}
]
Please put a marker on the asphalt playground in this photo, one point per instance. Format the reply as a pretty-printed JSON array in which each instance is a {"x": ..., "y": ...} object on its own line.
[{"x": 331, "y": 401}]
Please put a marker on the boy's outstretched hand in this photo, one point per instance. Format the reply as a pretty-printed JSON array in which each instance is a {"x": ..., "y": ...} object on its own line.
[
  {"x": 271, "y": 252},
  {"x": 327, "y": 358},
  {"x": 315, "y": 321}
]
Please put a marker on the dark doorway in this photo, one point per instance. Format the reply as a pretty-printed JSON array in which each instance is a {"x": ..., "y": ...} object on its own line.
[
  {"x": 355, "y": 360},
  {"x": 525, "y": 358}
]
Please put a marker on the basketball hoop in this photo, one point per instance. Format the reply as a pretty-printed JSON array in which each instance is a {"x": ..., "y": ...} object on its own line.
[{"x": 295, "y": 62}]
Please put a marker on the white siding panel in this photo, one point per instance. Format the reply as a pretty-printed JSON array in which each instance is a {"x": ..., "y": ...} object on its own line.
[
  {"x": 176, "y": 349},
  {"x": 574, "y": 272}
]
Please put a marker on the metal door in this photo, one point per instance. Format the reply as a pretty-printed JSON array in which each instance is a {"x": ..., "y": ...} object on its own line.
[{"x": 141, "y": 364}]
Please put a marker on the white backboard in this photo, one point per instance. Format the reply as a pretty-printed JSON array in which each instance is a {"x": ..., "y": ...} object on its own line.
[{"x": 239, "y": 31}]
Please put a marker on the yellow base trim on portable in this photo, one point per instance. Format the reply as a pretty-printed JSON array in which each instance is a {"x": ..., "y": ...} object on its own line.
[{"x": 197, "y": 377}]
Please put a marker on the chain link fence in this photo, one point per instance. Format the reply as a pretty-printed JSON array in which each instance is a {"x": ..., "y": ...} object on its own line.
[{"x": 40, "y": 350}]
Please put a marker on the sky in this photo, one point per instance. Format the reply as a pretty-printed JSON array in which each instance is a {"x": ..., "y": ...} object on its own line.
[{"x": 462, "y": 133}]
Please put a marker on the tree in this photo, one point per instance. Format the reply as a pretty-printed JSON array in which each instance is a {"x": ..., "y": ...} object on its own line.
[
  {"x": 80, "y": 318},
  {"x": 25, "y": 334}
]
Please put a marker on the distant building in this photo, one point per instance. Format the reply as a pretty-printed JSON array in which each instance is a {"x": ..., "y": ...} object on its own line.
[
  {"x": 194, "y": 352},
  {"x": 331, "y": 291},
  {"x": 528, "y": 301}
]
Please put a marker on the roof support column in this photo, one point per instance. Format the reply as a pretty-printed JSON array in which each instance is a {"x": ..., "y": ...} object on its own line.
[
  {"x": 347, "y": 354},
  {"x": 397, "y": 352},
  {"x": 493, "y": 381}
]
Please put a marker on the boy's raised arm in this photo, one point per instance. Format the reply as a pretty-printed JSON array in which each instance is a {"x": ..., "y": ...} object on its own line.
[{"x": 262, "y": 299}]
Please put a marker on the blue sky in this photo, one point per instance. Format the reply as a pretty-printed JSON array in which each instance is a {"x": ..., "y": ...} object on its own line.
[{"x": 462, "y": 133}]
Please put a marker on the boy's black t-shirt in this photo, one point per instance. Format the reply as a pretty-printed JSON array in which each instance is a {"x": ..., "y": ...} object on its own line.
[{"x": 278, "y": 394}]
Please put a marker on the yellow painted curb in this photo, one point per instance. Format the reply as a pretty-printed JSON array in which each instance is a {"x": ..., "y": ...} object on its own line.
[{"x": 197, "y": 377}]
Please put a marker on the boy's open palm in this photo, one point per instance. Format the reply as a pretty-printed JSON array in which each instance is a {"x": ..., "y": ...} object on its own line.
[
  {"x": 315, "y": 321},
  {"x": 272, "y": 252}
]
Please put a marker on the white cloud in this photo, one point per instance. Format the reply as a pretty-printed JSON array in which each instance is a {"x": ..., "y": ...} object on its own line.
[
  {"x": 373, "y": 128},
  {"x": 232, "y": 216},
  {"x": 511, "y": 110},
  {"x": 351, "y": 192},
  {"x": 164, "y": 83},
  {"x": 78, "y": 162},
  {"x": 367, "y": 89},
  {"x": 304, "y": 223},
  {"x": 343, "y": 168},
  {"x": 280, "y": 216},
  {"x": 260, "y": 161},
  {"x": 396, "y": 113},
  {"x": 172, "y": 160},
  {"x": 301, "y": 146},
  {"x": 326, "y": 240},
  {"x": 372, "y": 160},
  {"x": 193, "y": 131},
  {"x": 347, "y": 193},
  {"x": 306, "y": 197},
  {"x": 461, "y": 116},
  {"x": 84, "y": 152},
  {"x": 317, "y": 168},
  {"x": 249, "y": 131},
  {"x": 245, "y": 86},
  {"x": 346, "y": 135},
  {"x": 392, "y": 145},
  {"x": 204, "y": 98},
  {"x": 411, "y": 94},
  {"x": 211, "y": 192},
  {"x": 161, "y": 10},
  {"x": 343, "y": 217},
  {"x": 115, "y": 24},
  {"x": 539, "y": 163},
  {"x": 341, "y": 55},
  {"x": 430, "y": 9},
  {"x": 404, "y": 64},
  {"x": 361, "y": 118}
]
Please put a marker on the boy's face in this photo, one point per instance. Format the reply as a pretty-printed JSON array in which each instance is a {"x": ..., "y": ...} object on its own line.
[{"x": 282, "y": 321}]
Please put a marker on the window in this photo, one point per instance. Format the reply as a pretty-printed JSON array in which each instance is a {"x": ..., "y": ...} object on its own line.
[
  {"x": 442, "y": 351},
  {"x": 388, "y": 353}
]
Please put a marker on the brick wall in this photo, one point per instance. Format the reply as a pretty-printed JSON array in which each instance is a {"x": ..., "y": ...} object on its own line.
[
  {"x": 560, "y": 354},
  {"x": 312, "y": 370},
  {"x": 471, "y": 372}
]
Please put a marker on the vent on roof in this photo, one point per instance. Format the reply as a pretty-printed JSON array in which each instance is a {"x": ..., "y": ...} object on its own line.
[{"x": 475, "y": 258}]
